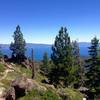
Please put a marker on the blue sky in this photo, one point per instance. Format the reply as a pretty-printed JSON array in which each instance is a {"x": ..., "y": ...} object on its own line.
[{"x": 40, "y": 20}]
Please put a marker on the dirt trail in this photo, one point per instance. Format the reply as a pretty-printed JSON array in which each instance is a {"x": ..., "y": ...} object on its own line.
[{"x": 9, "y": 68}]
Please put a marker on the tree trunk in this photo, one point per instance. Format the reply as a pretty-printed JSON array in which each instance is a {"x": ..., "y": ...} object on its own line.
[{"x": 33, "y": 67}]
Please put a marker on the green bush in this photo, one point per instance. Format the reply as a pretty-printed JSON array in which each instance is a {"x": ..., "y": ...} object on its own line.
[
  {"x": 49, "y": 95},
  {"x": 69, "y": 94},
  {"x": 39, "y": 95},
  {"x": 2, "y": 68}
]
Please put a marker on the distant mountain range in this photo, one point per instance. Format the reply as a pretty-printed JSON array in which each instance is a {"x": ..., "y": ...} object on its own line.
[{"x": 40, "y": 49}]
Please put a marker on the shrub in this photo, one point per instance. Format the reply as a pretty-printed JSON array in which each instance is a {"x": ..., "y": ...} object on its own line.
[
  {"x": 39, "y": 95},
  {"x": 2, "y": 68}
]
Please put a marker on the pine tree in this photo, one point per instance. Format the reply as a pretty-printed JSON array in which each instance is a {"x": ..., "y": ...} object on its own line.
[
  {"x": 78, "y": 65},
  {"x": 1, "y": 54},
  {"x": 46, "y": 64},
  {"x": 18, "y": 46},
  {"x": 93, "y": 66},
  {"x": 62, "y": 58},
  {"x": 76, "y": 53}
]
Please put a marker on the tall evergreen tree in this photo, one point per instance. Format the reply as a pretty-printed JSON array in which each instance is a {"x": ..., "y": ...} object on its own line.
[
  {"x": 18, "y": 46},
  {"x": 78, "y": 65},
  {"x": 62, "y": 58},
  {"x": 1, "y": 54},
  {"x": 93, "y": 66},
  {"x": 46, "y": 64},
  {"x": 76, "y": 53}
]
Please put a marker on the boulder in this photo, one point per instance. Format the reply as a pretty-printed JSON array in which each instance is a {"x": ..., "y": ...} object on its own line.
[
  {"x": 24, "y": 83},
  {"x": 21, "y": 86},
  {"x": 83, "y": 89}
]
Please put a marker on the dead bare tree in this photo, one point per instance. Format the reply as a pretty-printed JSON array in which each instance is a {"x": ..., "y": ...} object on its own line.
[{"x": 33, "y": 66}]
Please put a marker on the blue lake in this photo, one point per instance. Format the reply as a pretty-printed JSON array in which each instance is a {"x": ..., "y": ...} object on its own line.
[{"x": 40, "y": 49}]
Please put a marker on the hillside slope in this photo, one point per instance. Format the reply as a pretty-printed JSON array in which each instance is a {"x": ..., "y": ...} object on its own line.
[{"x": 16, "y": 83}]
